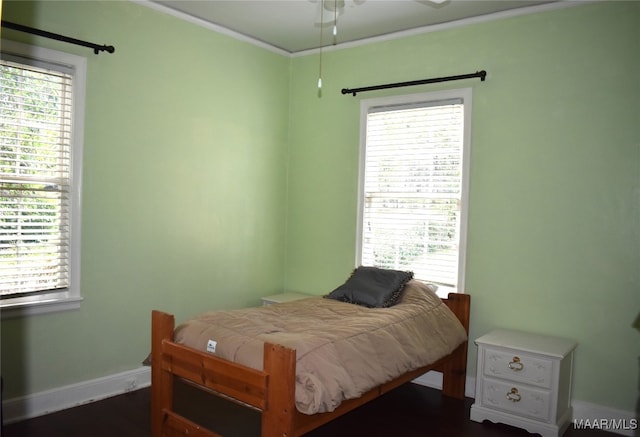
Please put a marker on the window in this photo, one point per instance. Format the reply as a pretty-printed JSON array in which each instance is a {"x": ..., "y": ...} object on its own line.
[
  {"x": 41, "y": 130},
  {"x": 413, "y": 191}
]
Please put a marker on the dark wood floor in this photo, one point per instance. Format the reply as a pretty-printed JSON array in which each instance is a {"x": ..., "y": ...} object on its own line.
[{"x": 409, "y": 411}]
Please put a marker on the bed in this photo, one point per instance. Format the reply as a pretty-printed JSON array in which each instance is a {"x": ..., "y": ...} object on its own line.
[{"x": 301, "y": 369}]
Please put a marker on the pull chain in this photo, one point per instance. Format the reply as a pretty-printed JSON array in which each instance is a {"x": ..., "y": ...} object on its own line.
[
  {"x": 321, "y": 26},
  {"x": 335, "y": 21}
]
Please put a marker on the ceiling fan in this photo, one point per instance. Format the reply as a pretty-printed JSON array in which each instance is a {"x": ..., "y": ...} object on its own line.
[
  {"x": 328, "y": 13},
  {"x": 330, "y": 10}
]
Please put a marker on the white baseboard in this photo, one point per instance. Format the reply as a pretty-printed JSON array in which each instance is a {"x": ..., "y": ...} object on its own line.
[
  {"x": 592, "y": 416},
  {"x": 433, "y": 379},
  {"x": 69, "y": 396},
  {"x": 585, "y": 415}
]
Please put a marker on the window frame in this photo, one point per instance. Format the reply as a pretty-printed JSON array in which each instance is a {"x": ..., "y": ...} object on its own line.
[
  {"x": 464, "y": 94},
  {"x": 70, "y": 297}
]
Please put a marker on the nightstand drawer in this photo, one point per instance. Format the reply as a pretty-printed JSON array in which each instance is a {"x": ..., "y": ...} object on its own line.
[
  {"x": 517, "y": 366},
  {"x": 521, "y": 400}
]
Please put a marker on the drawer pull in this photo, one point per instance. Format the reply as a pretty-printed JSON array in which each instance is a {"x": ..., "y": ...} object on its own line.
[
  {"x": 513, "y": 395},
  {"x": 516, "y": 365}
]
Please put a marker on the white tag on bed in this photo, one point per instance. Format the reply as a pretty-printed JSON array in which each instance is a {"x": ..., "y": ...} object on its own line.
[{"x": 211, "y": 346}]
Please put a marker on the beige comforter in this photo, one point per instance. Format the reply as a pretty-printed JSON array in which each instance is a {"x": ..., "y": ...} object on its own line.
[{"x": 342, "y": 349}]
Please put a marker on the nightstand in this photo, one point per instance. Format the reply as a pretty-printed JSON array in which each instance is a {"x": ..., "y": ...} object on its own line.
[
  {"x": 524, "y": 380},
  {"x": 283, "y": 297}
]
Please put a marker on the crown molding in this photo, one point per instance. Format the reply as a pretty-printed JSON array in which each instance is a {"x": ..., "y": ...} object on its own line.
[
  {"x": 210, "y": 26},
  {"x": 365, "y": 41},
  {"x": 562, "y": 4}
]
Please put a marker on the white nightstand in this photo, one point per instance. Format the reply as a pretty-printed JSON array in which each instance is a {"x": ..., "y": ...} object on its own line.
[
  {"x": 283, "y": 297},
  {"x": 524, "y": 380}
]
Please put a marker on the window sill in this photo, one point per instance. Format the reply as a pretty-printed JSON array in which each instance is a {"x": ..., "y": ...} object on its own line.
[
  {"x": 443, "y": 291},
  {"x": 13, "y": 308}
]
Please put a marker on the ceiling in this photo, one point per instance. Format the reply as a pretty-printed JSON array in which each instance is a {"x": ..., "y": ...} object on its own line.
[{"x": 294, "y": 25}]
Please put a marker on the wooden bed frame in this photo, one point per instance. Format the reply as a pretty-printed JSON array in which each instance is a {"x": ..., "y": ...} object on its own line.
[{"x": 271, "y": 390}]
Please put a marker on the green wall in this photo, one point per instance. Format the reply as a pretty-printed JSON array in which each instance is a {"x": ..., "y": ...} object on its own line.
[
  {"x": 184, "y": 186},
  {"x": 554, "y": 227},
  {"x": 214, "y": 174}
]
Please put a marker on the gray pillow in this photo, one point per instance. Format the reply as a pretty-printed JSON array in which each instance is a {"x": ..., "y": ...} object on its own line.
[{"x": 372, "y": 287}]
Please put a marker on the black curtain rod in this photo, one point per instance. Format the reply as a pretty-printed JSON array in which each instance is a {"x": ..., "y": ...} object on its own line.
[
  {"x": 481, "y": 74},
  {"x": 96, "y": 48}
]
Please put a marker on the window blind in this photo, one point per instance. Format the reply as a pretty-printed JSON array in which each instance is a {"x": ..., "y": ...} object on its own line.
[
  {"x": 35, "y": 168},
  {"x": 413, "y": 188}
]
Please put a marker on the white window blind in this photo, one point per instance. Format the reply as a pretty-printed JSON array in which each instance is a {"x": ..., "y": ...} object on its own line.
[
  {"x": 35, "y": 177},
  {"x": 412, "y": 189}
]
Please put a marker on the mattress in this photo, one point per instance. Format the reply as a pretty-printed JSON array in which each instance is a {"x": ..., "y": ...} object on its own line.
[{"x": 342, "y": 349}]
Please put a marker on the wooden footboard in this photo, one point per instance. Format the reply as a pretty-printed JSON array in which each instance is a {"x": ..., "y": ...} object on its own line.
[{"x": 271, "y": 390}]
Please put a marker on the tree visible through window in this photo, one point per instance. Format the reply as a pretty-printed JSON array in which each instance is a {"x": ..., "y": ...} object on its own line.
[
  {"x": 413, "y": 179},
  {"x": 36, "y": 180}
]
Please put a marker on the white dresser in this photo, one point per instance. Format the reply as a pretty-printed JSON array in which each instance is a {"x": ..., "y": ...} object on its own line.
[
  {"x": 524, "y": 380},
  {"x": 283, "y": 297}
]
